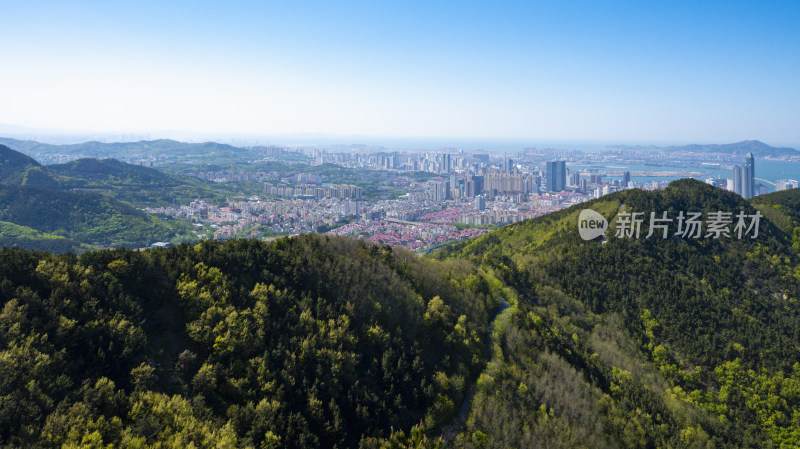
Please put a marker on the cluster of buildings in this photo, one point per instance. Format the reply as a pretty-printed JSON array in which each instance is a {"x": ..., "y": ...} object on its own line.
[
  {"x": 224, "y": 176},
  {"x": 509, "y": 180},
  {"x": 786, "y": 184},
  {"x": 306, "y": 191},
  {"x": 744, "y": 180}
]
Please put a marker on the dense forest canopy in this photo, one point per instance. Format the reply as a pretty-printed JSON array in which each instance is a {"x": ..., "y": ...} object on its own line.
[
  {"x": 674, "y": 342},
  {"x": 303, "y": 342},
  {"x": 528, "y": 336}
]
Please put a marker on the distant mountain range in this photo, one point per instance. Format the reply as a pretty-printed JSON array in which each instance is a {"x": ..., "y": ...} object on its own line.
[
  {"x": 758, "y": 148},
  {"x": 208, "y": 151}
]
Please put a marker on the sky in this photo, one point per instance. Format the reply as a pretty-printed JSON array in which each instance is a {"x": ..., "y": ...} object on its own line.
[{"x": 633, "y": 71}]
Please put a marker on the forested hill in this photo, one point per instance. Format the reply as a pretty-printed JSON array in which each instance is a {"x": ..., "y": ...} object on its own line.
[
  {"x": 13, "y": 163},
  {"x": 134, "y": 184},
  {"x": 76, "y": 206},
  {"x": 17, "y": 169},
  {"x": 82, "y": 217},
  {"x": 618, "y": 342},
  {"x": 659, "y": 342},
  {"x": 299, "y": 343}
]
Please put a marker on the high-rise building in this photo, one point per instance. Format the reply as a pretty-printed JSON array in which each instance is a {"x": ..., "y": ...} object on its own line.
[
  {"x": 583, "y": 184},
  {"x": 440, "y": 191},
  {"x": 352, "y": 208},
  {"x": 446, "y": 165},
  {"x": 556, "y": 176},
  {"x": 480, "y": 202},
  {"x": 574, "y": 179},
  {"x": 744, "y": 177},
  {"x": 626, "y": 178},
  {"x": 474, "y": 186},
  {"x": 750, "y": 176}
]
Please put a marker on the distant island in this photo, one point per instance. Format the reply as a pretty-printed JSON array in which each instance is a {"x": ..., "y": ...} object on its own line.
[{"x": 758, "y": 148}]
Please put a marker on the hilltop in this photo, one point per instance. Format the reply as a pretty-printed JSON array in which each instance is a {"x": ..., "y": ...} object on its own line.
[
  {"x": 134, "y": 184},
  {"x": 19, "y": 169},
  {"x": 632, "y": 340},
  {"x": 49, "y": 208}
]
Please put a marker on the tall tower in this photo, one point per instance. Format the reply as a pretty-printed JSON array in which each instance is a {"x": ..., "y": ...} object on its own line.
[
  {"x": 749, "y": 182},
  {"x": 738, "y": 177},
  {"x": 556, "y": 176}
]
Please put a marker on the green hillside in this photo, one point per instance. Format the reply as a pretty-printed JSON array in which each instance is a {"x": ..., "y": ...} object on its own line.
[
  {"x": 87, "y": 203},
  {"x": 674, "y": 342},
  {"x": 134, "y": 184},
  {"x": 302, "y": 342},
  {"x": 86, "y": 218},
  {"x": 528, "y": 336},
  {"x": 15, "y": 236},
  {"x": 19, "y": 169}
]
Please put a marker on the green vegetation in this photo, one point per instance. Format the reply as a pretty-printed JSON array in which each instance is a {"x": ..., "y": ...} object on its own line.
[
  {"x": 469, "y": 226},
  {"x": 58, "y": 208},
  {"x": 139, "y": 186},
  {"x": 18, "y": 169},
  {"x": 82, "y": 217},
  {"x": 133, "y": 184},
  {"x": 525, "y": 337},
  {"x": 643, "y": 342},
  {"x": 301, "y": 342},
  {"x": 264, "y": 231},
  {"x": 15, "y": 236}
]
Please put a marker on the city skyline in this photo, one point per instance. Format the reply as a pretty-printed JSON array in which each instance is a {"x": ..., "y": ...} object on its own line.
[{"x": 716, "y": 72}]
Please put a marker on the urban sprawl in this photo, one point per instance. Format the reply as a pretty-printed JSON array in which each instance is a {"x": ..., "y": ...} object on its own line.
[{"x": 423, "y": 200}]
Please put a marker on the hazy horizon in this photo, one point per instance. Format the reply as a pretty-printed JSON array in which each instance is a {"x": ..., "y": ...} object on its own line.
[{"x": 66, "y": 137}]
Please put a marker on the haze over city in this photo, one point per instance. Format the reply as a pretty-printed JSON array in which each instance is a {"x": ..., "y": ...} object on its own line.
[{"x": 710, "y": 72}]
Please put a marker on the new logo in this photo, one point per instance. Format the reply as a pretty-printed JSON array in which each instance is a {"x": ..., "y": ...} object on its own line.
[{"x": 591, "y": 224}]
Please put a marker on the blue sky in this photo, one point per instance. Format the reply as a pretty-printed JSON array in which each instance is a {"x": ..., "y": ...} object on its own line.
[{"x": 596, "y": 70}]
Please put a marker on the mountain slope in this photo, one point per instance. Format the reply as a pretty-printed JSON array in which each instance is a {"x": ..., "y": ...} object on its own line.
[
  {"x": 302, "y": 342},
  {"x": 45, "y": 200},
  {"x": 16, "y": 236},
  {"x": 18, "y": 169},
  {"x": 309, "y": 341},
  {"x": 140, "y": 186},
  {"x": 87, "y": 218},
  {"x": 631, "y": 342}
]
